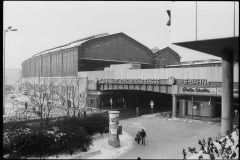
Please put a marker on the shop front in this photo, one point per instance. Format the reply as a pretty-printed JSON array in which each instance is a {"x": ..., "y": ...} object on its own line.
[{"x": 198, "y": 97}]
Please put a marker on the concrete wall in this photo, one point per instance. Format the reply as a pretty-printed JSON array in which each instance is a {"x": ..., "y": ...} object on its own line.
[
  {"x": 212, "y": 74},
  {"x": 193, "y": 21}
]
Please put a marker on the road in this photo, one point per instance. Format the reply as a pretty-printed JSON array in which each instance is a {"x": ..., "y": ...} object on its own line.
[
  {"x": 130, "y": 113},
  {"x": 166, "y": 138}
]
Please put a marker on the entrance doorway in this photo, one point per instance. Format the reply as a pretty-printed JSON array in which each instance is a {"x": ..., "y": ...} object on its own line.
[{"x": 93, "y": 102}]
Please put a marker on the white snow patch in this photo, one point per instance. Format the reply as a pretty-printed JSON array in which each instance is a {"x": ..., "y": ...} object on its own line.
[
  {"x": 137, "y": 123},
  {"x": 109, "y": 152},
  {"x": 151, "y": 115}
]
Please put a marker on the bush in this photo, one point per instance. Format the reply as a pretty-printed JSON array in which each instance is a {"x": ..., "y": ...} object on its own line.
[
  {"x": 40, "y": 144},
  {"x": 64, "y": 135},
  {"x": 95, "y": 123},
  {"x": 52, "y": 140}
]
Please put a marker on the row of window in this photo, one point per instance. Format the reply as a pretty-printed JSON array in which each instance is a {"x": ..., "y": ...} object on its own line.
[
  {"x": 56, "y": 65},
  {"x": 124, "y": 52}
]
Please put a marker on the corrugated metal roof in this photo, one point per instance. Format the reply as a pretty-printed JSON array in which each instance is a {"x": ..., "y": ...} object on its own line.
[{"x": 73, "y": 44}]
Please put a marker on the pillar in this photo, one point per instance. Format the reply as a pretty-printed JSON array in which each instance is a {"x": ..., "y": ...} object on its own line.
[
  {"x": 114, "y": 140},
  {"x": 227, "y": 93},
  {"x": 174, "y": 106},
  {"x": 184, "y": 107}
]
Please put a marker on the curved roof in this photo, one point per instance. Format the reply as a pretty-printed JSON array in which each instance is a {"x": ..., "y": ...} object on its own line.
[
  {"x": 167, "y": 49},
  {"x": 72, "y": 44},
  {"x": 141, "y": 46}
]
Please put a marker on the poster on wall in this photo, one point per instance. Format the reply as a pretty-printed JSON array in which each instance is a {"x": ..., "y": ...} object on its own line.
[
  {"x": 137, "y": 87},
  {"x": 113, "y": 131},
  {"x": 113, "y": 118},
  {"x": 235, "y": 91},
  {"x": 110, "y": 86}
]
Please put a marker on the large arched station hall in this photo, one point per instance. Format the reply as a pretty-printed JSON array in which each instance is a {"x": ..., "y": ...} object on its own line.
[{"x": 125, "y": 72}]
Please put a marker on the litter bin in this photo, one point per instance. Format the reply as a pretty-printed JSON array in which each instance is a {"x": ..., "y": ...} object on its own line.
[{"x": 120, "y": 129}]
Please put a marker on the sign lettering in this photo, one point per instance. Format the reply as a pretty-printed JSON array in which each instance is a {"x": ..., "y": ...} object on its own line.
[
  {"x": 132, "y": 81},
  {"x": 204, "y": 90},
  {"x": 171, "y": 80},
  {"x": 195, "y": 81}
]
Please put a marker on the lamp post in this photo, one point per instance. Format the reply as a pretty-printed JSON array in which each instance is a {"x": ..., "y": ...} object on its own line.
[{"x": 4, "y": 43}]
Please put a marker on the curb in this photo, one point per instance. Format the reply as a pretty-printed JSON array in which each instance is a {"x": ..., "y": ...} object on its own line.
[
  {"x": 87, "y": 155},
  {"x": 93, "y": 153}
]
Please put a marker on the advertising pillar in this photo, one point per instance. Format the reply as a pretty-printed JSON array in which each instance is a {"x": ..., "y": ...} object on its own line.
[{"x": 114, "y": 140}]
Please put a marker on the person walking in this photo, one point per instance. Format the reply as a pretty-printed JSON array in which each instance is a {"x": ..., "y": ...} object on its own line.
[
  {"x": 143, "y": 135},
  {"x": 26, "y": 105},
  {"x": 84, "y": 113},
  {"x": 138, "y": 137}
]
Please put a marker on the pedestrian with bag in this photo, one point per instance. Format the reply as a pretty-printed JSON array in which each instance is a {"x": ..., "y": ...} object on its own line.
[
  {"x": 138, "y": 137},
  {"x": 143, "y": 135}
]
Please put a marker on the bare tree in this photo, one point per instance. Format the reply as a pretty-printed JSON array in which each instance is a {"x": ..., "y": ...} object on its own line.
[
  {"x": 73, "y": 95},
  {"x": 41, "y": 95}
]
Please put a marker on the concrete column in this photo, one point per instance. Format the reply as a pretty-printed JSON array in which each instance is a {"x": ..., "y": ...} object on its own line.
[
  {"x": 174, "y": 106},
  {"x": 227, "y": 93}
]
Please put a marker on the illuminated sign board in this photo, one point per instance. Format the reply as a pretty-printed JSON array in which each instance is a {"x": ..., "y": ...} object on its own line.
[
  {"x": 195, "y": 81},
  {"x": 170, "y": 81},
  {"x": 129, "y": 81},
  {"x": 204, "y": 90},
  {"x": 235, "y": 91}
]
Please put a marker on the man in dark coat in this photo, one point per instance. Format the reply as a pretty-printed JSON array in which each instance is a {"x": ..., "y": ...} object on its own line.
[
  {"x": 84, "y": 113},
  {"x": 143, "y": 135},
  {"x": 26, "y": 105}
]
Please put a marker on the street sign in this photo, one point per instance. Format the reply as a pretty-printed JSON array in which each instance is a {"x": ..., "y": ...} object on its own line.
[
  {"x": 151, "y": 104},
  {"x": 111, "y": 101}
]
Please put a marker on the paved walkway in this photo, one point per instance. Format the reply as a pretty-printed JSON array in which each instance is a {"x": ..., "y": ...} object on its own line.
[
  {"x": 109, "y": 152},
  {"x": 165, "y": 138}
]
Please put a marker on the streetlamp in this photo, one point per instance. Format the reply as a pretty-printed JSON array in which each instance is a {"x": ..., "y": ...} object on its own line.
[{"x": 4, "y": 42}]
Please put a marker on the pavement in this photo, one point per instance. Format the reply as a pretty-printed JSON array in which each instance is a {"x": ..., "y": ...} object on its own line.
[
  {"x": 109, "y": 152},
  {"x": 166, "y": 138},
  {"x": 162, "y": 141}
]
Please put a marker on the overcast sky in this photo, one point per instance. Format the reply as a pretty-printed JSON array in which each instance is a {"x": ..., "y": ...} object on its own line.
[{"x": 43, "y": 25}]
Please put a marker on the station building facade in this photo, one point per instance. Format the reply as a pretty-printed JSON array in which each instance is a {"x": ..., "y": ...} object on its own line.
[
  {"x": 201, "y": 32},
  {"x": 120, "y": 69}
]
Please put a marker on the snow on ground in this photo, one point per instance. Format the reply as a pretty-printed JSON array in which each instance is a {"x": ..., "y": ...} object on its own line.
[
  {"x": 109, "y": 152},
  {"x": 150, "y": 115}
]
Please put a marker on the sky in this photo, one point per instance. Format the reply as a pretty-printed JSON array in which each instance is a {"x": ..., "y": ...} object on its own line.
[{"x": 44, "y": 25}]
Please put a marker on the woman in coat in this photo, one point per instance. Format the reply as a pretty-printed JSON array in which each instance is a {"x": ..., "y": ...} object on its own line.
[{"x": 138, "y": 137}]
